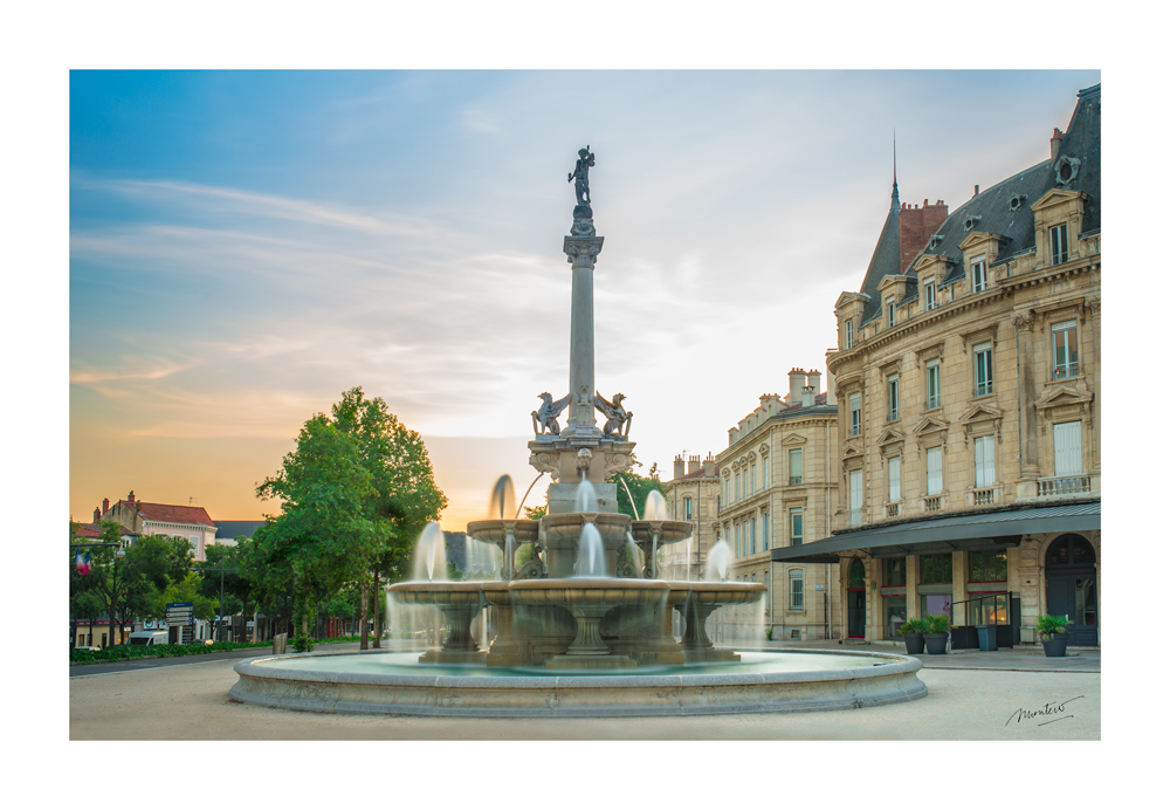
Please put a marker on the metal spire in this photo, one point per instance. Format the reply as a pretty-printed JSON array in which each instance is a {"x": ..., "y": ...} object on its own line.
[{"x": 894, "y": 203}]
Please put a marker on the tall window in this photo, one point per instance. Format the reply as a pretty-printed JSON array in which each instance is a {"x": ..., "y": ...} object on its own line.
[
  {"x": 739, "y": 539},
  {"x": 795, "y": 466},
  {"x": 931, "y": 299},
  {"x": 753, "y": 468},
  {"x": 987, "y": 566},
  {"x": 855, "y": 414},
  {"x": 892, "y": 396},
  {"x": 933, "y": 384},
  {"x": 764, "y": 529},
  {"x": 1058, "y": 243},
  {"x": 894, "y": 469},
  {"x": 687, "y": 508},
  {"x": 1066, "y": 441},
  {"x": 796, "y": 589},
  {"x": 727, "y": 490},
  {"x": 978, "y": 275},
  {"x": 849, "y": 334},
  {"x": 752, "y": 535},
  {"x": 982, "y": 369},
  {"x": 984, "y": 461},
  {"x": 738, "y": 486},
  {"x": 796, "y": 522},
  {"x": 1064, "y": 350},
  {"x": 855, "y": 497},
  {"x": 934, "y": 470},
  {"x": 889, "y": 312}
]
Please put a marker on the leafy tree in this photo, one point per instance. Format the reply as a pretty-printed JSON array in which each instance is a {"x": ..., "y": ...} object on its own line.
[
  {"x": 323, "y": 538},
  {"x": 535, "y": 512},
  {"x": 403, "y": 496},
  {"x": 107, "y": 587}
]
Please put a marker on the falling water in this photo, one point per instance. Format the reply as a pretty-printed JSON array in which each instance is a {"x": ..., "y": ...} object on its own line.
[
  {"x": 655, "y": 508},
  {"x": 586, "y": 499},
  {"x": 430, "y": 554},
  {"x": 633, "y": 552},
  {"x": 503, "y": 501},
  {"x": 590, "y": 553},
  {"x": 718, "y": 562}
]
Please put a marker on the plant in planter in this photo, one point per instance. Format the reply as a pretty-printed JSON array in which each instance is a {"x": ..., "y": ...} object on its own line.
[
  {"x": 912, "y": 630},
  {"x": 935, "y": 636},
  {"x": 1052, "y": 636}
]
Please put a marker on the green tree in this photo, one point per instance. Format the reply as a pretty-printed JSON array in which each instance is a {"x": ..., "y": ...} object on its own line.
[
  {"x": 224, "y": 575},
  {"x": 107, "y": 587},
  {"x": 403, "y": 496},
  {"x": 323, "y": 537}
]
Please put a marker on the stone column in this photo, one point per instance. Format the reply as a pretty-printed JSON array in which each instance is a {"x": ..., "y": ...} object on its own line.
[
  {"x": 582, "y": 248},
  {"x": 1029, "y": 427}
]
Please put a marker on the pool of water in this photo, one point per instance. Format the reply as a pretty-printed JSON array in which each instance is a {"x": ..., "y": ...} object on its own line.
[{"x": 406, "y": 663}]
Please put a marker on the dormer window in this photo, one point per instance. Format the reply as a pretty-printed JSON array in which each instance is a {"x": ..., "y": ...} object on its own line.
[
  {"x": 978, "y": 274},
  {"x": 930, "y": 295},
  {"x": 935, "y": 241},
  {"x": 1017, "y": 202},
  {"x": 971, "y": 222},
  {"x": 849, "y": 334},
  {"x": 1067, "y": 169},
  {"x": 1058, "y": 243},
  {"x": 889, "y": 312}
]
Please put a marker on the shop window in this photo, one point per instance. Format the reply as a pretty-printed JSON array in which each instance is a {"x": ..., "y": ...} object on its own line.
[
  {"x": 894, "y": 572},
  {"x": 988, "y": 566},
  {"x": 935, "y": 569}
]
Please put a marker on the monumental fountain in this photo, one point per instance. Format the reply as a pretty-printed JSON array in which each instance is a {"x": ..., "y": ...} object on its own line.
[{"x": 586, "y": 625}]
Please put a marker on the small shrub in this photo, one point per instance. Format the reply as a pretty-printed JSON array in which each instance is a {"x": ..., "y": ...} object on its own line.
[
  {"x": 303, "y": 643},
  {"x": 937, "y": 624},
  {"x": 1048, "y": 626},
  {"x": 913, "y": 626}
]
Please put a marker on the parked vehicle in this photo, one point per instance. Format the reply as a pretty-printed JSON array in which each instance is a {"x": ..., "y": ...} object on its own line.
[{"x": 148, "y": 637}]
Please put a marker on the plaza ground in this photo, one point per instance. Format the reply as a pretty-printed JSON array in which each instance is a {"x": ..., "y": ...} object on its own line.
[{"x": 1003, "y": 695}]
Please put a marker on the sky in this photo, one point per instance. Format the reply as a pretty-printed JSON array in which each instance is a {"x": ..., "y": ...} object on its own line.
[{"x": 247, "y": 245}]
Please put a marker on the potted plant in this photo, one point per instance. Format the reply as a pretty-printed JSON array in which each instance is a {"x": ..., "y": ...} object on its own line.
[
  {"x": 935, "y": 636},
  {"x": 912, "y": 630},
  {"x": 1052, "y": 636}
]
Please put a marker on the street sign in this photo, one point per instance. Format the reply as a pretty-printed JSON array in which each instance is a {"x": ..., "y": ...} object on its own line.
[{"x": 180, "y": 613}]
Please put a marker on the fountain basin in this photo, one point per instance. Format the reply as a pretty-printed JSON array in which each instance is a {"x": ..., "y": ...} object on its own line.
[
  {"x": 377, "y": 682},
  {"x": 562, "y": 532}
]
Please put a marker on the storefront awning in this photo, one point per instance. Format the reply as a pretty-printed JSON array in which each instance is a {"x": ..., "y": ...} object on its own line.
[{"x": 974, "y": 532}]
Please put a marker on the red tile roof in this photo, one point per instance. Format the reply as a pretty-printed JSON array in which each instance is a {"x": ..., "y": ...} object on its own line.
[
  {"x": 168, "y": 513},
  {"x": 87, "y": 531}
]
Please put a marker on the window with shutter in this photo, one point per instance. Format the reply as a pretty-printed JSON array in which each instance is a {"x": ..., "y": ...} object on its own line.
[
  {"x": 934, "y": 471},
  {"x": 895, "y": 471},
  {"x": 1066, "y": 440},
  {"x": 984, "y": 461}
]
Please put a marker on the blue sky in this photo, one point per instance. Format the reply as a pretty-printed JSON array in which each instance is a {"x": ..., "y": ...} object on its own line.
[{"x": 247, "y": 245}]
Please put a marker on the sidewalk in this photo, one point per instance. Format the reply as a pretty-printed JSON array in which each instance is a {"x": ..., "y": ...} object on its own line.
[{"x": 1025, "y": 658}]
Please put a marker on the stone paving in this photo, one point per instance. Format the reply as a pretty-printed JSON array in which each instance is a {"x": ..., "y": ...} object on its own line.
[{"x": 1003, "y": 695}]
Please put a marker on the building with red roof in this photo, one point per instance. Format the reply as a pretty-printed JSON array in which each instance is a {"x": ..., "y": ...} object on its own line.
[{"x": 137, "y": 518}]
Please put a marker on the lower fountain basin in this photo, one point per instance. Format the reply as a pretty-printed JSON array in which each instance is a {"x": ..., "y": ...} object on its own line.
[{"x": 377, "y": 682}]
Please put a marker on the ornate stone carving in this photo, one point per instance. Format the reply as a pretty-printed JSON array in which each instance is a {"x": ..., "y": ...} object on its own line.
[
  {"x": 545, "y": 462},
  {"x": 583, "y": 249},
  {"x": 617, "y": 418},
  {"x": 616, "y": 463},
  {"x": 544, "y": 420},
  {"x": 1024, "y": 321}
]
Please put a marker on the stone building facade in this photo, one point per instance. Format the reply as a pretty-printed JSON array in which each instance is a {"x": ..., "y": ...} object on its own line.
[
  {"x": 778, "y": 489},
  {"x": 692, "y": 496},
  {"x": 969, "y": 387}
]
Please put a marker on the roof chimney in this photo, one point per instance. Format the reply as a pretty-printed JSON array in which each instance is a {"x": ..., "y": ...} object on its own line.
[
  {"x": 693, "y": 465},
  {"x": 814, "y": 381},
  {"x": 808, "y": 396},
  {"x": 130, "y": 497},
  {"x": 796, "y": 380},
  {"x": 680, "y": 467},
  {"x": 105, "y": 505},
  {"x": 97, "y": 515},
  {"x": 1054, "y": 143},
  {"x": 976, "y": 194},
  {"x": 709, "y": 466}
]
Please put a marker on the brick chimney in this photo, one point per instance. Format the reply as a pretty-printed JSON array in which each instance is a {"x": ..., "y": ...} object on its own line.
[
  {"x": 808, "y": 396},
  {"x": 1054, "y": 143},
  {"x": 680, "y": 467},
  {"x": 693, "y": 465},
  {"x": 105, "y": 505},
  {"x": 796, "y": 380},
  {"x": 709, "y": 466},
  {"x": 130, "y": 497},
  {"x": 97, "y": 514}
]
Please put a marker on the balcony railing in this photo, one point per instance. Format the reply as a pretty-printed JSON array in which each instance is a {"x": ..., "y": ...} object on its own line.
[
  {"x": 1059, "y": 486},
  {"x": 984, "y": 496},
  {"x": 891, "y": 510},
  {"x": 932, "y": 503},
  {"x": 795, "y": 480},
  {"x": 1062, "y": 371}
]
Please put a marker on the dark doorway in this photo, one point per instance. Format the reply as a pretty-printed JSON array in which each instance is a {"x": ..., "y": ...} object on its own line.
[
  {"x": 855, "y": 599},
  {"x": 1071, "y": 579}
]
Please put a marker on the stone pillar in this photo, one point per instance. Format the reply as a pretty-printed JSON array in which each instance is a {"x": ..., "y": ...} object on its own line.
[
  {"x": 1029, "y": 427},
  {"x": 582, "y": 247}
]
